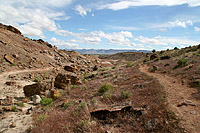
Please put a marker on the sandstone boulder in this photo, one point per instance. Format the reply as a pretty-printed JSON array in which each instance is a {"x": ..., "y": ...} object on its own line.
[
  {"x": 9, "y": 59},
  {"x": 70, "y": 68},
  {"x": 31, "y": 90},
  {"x": 63, "y": 80}
]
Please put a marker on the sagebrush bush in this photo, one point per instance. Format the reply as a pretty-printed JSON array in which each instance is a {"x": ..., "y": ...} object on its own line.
[
  {"x": 125, "y": 94},
  {"x": 46, "y": 101},
  {"x": 106, "y": 87},
  {"x": 182, "y": 62},
  {"x": 20, "y": 104},
  {"x": 129, "y": 64}
]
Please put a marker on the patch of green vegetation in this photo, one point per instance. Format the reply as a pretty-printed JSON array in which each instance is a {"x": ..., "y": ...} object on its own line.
[
  {"x": 107, "y": 95},
  {"x": 42, "y": 117},
  {"x": 20, "y": 104},
  {"x": 182, "y": 62},
  {"x": 46, "y": 101},
  {"x": 85, "y": 80},
  {"x": 94, "y": 101},
  {"x": 106, "y": 87},
  {"x": 106, "y": 75},
  {"x": 129, "y": 64},
  {"x": 156, "y": 59},
  {"x": 83, "y": 123},
  {"x": 82, "y": 105},
  {"x": 68, "y": 104},
  {"x": 74, "y": 86},
  {"x": 14, "y": 108},
  {"x": 37, "y": 79},
  {"x": 125, "y": 94},
  {"x": 83, "y": 88},
  {"x": 13, "y": 64}
]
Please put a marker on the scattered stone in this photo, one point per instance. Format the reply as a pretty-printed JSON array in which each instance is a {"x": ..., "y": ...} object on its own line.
[
  {"x": 7, "y": 108},
  {"x": 10, "y": 83},
  {"x": 15, "y": 55},
  {"x": 36, "y": 99},
  {"x": 13, "y": 125},
  {"x": 9, "y": 59},
  {"x": 95, "y": 68},
  {"x": 193, "y": 112}
]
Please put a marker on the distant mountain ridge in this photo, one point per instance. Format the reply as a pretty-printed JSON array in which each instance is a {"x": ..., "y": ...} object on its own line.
[{"x": 106, "y": 51}]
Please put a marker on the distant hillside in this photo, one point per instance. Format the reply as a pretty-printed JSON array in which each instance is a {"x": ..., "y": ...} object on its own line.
[{"x": 106, "y": 52}]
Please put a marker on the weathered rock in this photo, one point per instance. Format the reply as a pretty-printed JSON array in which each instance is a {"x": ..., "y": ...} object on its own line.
[
  {"x": 15, "y": 55},
  {"x": 7, "y": 108},
  {"x": 95, "y": 68},
  {"x": 31, "y": 90},
  {"x": 153, "y": 56},
  {"x": 10, "y": 83},
  {"x": 36, "y": 99},
  {"x": 10, "y": 28},
  {"x": 70, "y": 68},
  {"x": 165, "y": 57},
  {"x": 9, "y": 59},
  {"x": 13, "y": 125},
  {"x": 63, "y": 80}
]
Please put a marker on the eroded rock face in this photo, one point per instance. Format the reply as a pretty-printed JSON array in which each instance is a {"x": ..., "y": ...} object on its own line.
[{"x": 63, "y": 80}]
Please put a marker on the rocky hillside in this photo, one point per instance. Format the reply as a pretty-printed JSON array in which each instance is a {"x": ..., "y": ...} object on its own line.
[
  {"x": 183, "y": 64},
  {"x": 43, "y": 89}
]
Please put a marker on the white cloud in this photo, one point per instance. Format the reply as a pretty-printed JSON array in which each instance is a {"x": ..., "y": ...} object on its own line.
[
  {"x": 82, "y": 11},
  {"x": 62, "y": 43},
  {"x": 131, "y": 3},
  {"x": 33, "y": 17},
  {"x": 129, "y": 28},
  {"x": 196, "y": 28},
  {"x": 159, "y": 40},
  {"x": 92, "y": 14},
  {"x": 179, "y": 23},
  {"x": 95, "y": 37}
]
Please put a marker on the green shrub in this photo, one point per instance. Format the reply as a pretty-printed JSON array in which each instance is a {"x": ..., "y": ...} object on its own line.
[
  {"x": 46, "y": 101},
  {"x": 125, "y": 94},
  {"x": 13, "y": 64},
  {"x": 129, "y": 64},
  {"x": 94, "y": 100},
  {"x": 106, "y": 75},
  {"x": 106, "y": 87},
  {"x": 20, "y": 104},
  {"x": 82, "y": 105},
  {"x": 182, "y": 62},
  {"x": 14, "y": 108},
  {"x": 37, "y": 79},
  {"x": 68, "y": 104},
  {"x": 41, "y": 117}
]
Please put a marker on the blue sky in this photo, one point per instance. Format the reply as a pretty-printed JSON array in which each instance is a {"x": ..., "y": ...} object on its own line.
[{"x": 106, "y": 24}]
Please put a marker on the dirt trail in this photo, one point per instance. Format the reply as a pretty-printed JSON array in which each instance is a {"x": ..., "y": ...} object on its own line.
[
  {"x": 4, "y": 76},
  {"x": 177, "y": 94}
]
